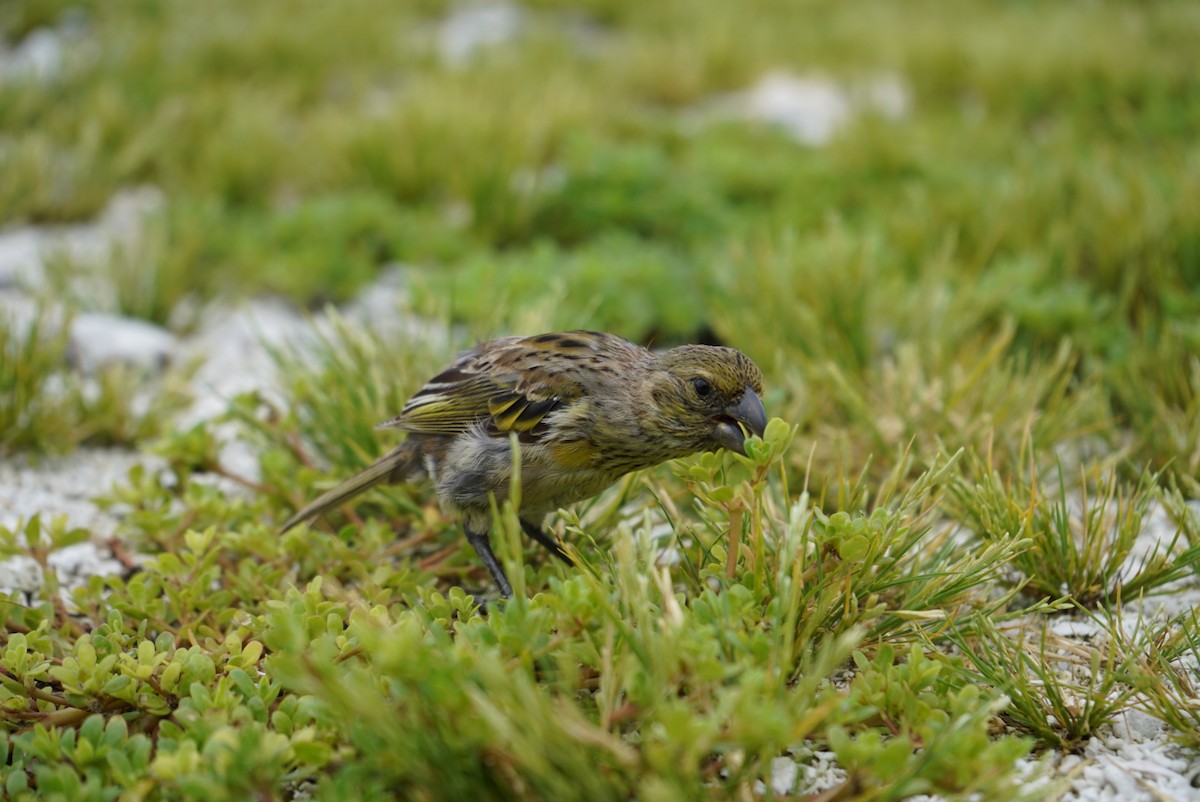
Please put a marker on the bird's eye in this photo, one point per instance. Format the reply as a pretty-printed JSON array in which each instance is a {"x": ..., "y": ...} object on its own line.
[{"x": 702, "y": 386}]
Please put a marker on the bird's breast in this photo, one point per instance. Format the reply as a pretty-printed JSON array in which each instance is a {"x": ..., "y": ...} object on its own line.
[
  {"x": 477, "y": 467},
  {"x": 546, "y": 490}
]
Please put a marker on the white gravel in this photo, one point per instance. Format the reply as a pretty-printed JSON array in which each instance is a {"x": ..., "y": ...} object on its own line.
[
  {"x": 1133, "y": 760},
  {"x": 64, "y": 486},
  {"x": 38, "y": 57},
  {"x": 99, "y": 339},
  {"x": 234, "y": 344}
]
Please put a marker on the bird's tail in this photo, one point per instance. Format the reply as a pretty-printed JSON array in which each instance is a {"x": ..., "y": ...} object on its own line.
[{"x": 394, "y": 466}]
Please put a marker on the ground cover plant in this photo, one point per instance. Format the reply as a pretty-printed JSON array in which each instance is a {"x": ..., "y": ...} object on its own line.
[{"x": 979, "y": 321}]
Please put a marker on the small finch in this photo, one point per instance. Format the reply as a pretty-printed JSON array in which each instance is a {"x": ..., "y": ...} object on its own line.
[{"x": 586, "y": 408}]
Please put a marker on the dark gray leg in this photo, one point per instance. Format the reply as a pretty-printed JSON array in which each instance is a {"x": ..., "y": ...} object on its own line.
[
  {"x": 545, "y": 540},
  {"x": 479, "y": 540}
]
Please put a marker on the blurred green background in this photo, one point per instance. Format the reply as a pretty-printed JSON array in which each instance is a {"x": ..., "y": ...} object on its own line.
[{"x": 1022, "y": 215}]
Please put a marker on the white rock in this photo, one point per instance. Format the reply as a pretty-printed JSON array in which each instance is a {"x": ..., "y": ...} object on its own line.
[
  {"x": 125, "y": 214},
  {"x": 65, "y": 486},
  {"x": 1137, "y": 726},
  {"x": 1157, "y": 533},
  {"x": 18, "y": 312},
  {"x": 1075, "y": 627},
  {"x": 1093, "y": 774},
  {"x": 1150, "y": 767},
  {"x": 784, "y": 771},
  {"x": 820, "y": 773},
  {"x": 25, "y": 250},
  {"x": 19, "y": 574},
  {"x": 383, "y": 307},
  {"x": 38, "y": 57},
  {"x": 75, "y": 564},
  {"x": 99, "y": 339},
  {"x": 240, "y": 459},
  {"x": 1119, "y": 778},
  {"x": 1121, "y": 766},
  {"x": 234, "y": 344},
  {"x": 469, "y": 28},
  {"x": 72, "y": 565},
  {"x": 809, "y": 108},
  {"x": 234, "y": 347},
  {"x": 21, "y": 257}
]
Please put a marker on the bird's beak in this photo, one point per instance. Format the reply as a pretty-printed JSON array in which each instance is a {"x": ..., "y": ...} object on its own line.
[{"x": 747, "y": 414}]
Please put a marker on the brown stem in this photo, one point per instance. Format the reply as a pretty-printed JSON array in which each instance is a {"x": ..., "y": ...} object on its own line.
[
  {"x": 63, "y": 618},
  {"x": 257, "y": 487},
  {"x": 184, "y": 524},
  {"x": 35, "y": 693},
  {"x": 67, "y": 717},
  {"x": 122, "y": 554},
  {"x": 298, "y": 448},
  {"x": 438, "y": 557},
  {"x": 401, "y": 546}
]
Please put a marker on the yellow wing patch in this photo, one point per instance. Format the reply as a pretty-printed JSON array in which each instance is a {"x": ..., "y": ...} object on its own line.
[
  {"x": 519, "y": 413},
  {"x": 508, "y": 385},
  {"x": 449, "y": 407}
]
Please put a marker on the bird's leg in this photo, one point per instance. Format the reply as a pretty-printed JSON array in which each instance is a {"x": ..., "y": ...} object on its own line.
[
  {"x": 547, "y": 542},
  {"x": 479, "y": 540}
]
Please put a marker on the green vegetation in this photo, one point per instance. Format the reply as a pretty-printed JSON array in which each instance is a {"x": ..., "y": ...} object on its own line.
[
  {"x": 980, "y": 328},
  {"x": 45, "y": 407}
]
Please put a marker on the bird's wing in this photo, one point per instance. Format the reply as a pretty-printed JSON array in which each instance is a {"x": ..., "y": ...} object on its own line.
[{"x": 507, "y": 385}]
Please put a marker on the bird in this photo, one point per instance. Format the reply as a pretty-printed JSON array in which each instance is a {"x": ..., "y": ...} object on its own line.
[{"x": 584, "y": 409}]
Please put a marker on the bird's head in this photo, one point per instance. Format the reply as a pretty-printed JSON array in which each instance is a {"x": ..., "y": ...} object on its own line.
[{"x": 706, "y": 397}]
